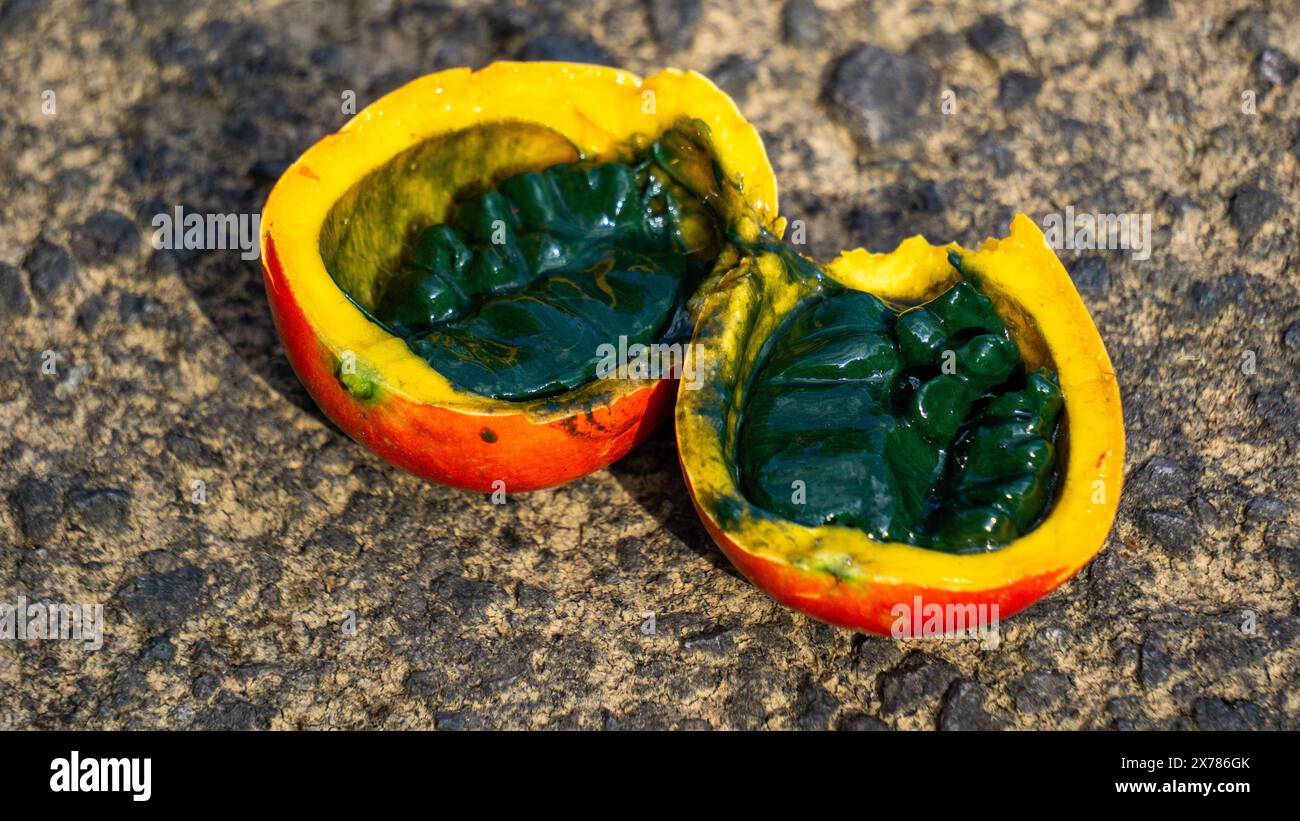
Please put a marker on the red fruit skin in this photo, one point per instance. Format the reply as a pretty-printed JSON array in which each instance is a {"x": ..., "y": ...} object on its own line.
[{"x": 868, "y": 608}]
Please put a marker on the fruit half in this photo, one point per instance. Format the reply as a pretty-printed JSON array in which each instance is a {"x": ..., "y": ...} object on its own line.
[
  {"x": 878, "y": 542},
  {"x": 426, "y": 195}
]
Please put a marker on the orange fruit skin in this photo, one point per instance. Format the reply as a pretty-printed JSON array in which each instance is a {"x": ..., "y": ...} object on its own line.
[
  {"x": 869, "y": 610},
  {"x": 464, "y": 450}
]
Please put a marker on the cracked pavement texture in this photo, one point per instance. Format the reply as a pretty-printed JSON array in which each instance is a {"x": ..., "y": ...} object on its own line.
[{"x": 238, "y": 612}]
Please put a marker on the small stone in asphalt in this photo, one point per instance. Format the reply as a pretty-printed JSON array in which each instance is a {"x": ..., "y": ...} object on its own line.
[
  {"x": 1173, "y": 530},
  {"x": 996, "y": 40},
  {"x": 565, "y": 48},
  {"x": 736, "y": 75},
  {"x": 13, "y": 294},
  {"x": 1153, "y": 662},
  {"x": 882, "y": 96},
  {"x": 859, "y": 722},
  {"x": 1204, "y": 298},
  {"x": 100, "y": 509},
  {"x": 1277, "y": 68},
  {"x": 916, "y": 680},
  {"x": 1017, "y": 89},
  {"x": 1217, "y": 714},
  {"x": 674, "y": 22},
  {"x": 1266, "y": 509},
  {"x": 104, "y": 237},
  {"x": 1251, "y": 207},
  {"x": 1291, "y": 336},
  {"x": 204, "y": 686},
  {"x": 163, "y": 601},
  {"x": 814, "y": 706},
  {"x": 1040, "y": 691},
  {"x": 37, "y": 508},
  {"x": 963, "y": 708},
  {"x": 803, "y": 24},
  {"x": 1091, "y": 274},
  {"x": 49, "y": 267},
  {"x": 1160, "y": 479}
]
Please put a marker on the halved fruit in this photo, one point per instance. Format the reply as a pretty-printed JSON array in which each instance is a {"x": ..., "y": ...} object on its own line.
[
  {"x": 866, "y": 437},
  {"x": 439, "y": 267}
]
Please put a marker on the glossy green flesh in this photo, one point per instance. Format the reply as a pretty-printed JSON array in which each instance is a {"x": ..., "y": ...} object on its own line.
[
  {"x": 854, "y": 401},
  {"x": 515, "y": 294}
]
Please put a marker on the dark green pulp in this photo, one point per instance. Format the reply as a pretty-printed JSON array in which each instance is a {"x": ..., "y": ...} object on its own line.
[
  {"x": 515, "y": 294},
  {"x": 916, "y": 426}
]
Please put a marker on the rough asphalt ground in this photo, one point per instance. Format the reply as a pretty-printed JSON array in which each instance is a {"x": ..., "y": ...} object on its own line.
[{"x": 315, "y": 586}]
